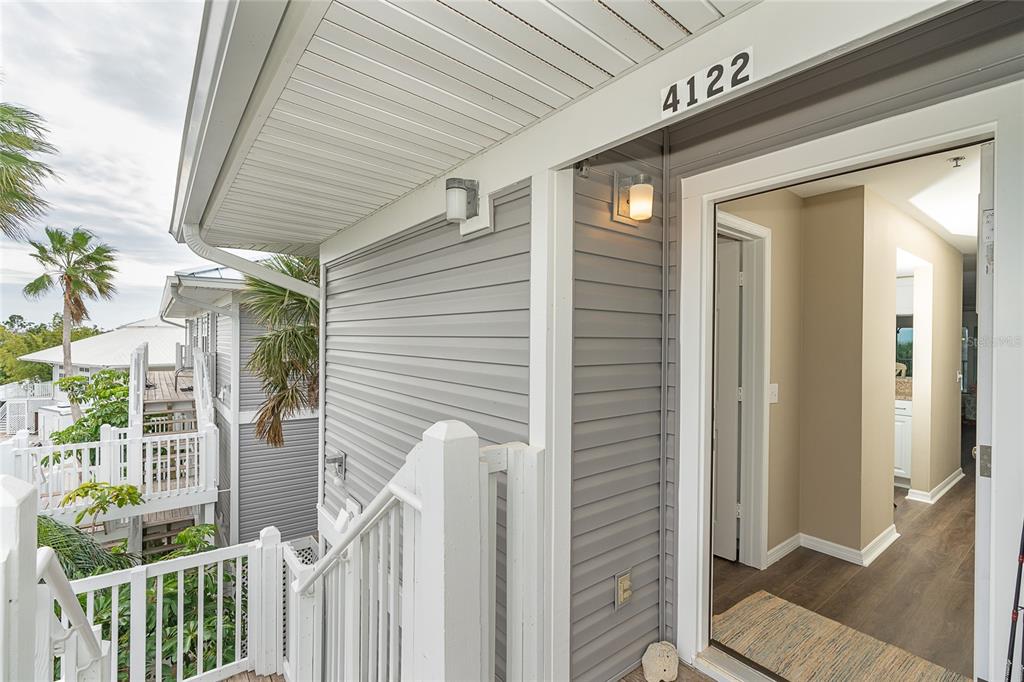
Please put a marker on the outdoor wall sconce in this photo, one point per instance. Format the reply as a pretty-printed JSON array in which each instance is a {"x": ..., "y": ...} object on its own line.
[
  {"x": 634, "y": 198},
  {"x": 462, "y": 199}
]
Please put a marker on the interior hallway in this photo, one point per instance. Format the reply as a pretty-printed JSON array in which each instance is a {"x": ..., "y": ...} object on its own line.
[{"x": 918, "y": 595}]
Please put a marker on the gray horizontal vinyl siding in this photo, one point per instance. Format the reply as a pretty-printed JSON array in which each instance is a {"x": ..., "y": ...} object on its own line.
[
  {"x": 426, "y": 327},
  {"x": 225, "y": 350},
  {"x": 222, "y": 511},
  {"x": 277, "y": 486},
  {"x": 617, "y": 433},
  {"x": 250, "y": 390}
]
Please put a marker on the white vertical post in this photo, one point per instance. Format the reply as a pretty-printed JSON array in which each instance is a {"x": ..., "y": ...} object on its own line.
[
  {"x": 107, "y": 470},
  {"x": 44, "y": 637},
  {"x": 210, "y": 456},
  {"x": 269, "y": 594},
  {"x": 137, "y": 625},
  {"x": 525, "y": 532},
  {"x": 305, "y": 622},
  {"x": 17, "y": 579},
  {"x": 449, "y": 615},
  {"x": 7, "y": 465},
  {"x": 353, "y": 607}
]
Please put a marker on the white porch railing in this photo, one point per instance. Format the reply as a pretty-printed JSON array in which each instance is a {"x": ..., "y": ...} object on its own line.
[
  {"x": 170, "y": 470},
  {"x": 26, "y": 389},
  {"x": 406, "y": 592}
]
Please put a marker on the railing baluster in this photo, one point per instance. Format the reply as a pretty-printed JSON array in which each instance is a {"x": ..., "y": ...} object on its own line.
[
  {"x": 90, "y": 605},
  {"x": 393, "y": 594},
  {"x": 238, "y": 608},
  {"x": 181, "y": 615},
  {"x": 201, "y": 598},
  {"x": 115, "y": 621},
  {"x": 159, "y": 652},
  {"x": 220, "y": 613},
  {"x": 382, "y": 600},
  {"x": 372, "y": 577}
]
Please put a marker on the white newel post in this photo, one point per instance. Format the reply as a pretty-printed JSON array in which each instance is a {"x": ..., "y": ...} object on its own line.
[
  {"x": 306, "y": 628},
  {"x": 14, "y": 458},
  {"x": 525, "y": 555},
  {"x": 266, "y": 598},
  {"x": 17, "y": 579},
  {"x": 108, "y": 455},
  {"x": 210, "y": 461},
  {"x": 448, "y": 612}
]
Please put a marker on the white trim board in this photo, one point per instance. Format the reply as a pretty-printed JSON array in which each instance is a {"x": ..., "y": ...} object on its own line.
[
  {"x": 944, "y": 125},
  {"x": 860, "y": 557},
  {"x": 933, "y": 495}
]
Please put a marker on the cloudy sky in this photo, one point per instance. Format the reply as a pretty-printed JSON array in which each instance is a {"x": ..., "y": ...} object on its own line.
[{"x": 112, "y": 81}]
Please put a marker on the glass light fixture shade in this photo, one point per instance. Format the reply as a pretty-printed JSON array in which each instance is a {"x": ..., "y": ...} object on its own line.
[
  {"x": 455, "y": 204},
  {"x": 641, "y": 201}
]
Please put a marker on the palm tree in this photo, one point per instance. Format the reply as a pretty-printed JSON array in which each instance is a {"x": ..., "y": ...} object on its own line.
[
  {"x": 78, "y": 553},
  {"x": 22, "y": 137},
  {"x": 287, "y": 357},
  {"x": 82, "y": 270}
]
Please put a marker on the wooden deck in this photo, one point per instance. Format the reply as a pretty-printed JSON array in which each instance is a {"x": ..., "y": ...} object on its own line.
[
  {"x": 249, "y": 676},
  {"x": 160, "y": 387}
]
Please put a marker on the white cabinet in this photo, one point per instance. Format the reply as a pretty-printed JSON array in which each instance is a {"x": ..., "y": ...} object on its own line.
[{"x": 904, "y": 415}]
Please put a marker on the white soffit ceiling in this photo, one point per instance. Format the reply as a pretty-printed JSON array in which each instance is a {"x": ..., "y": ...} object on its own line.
[
  {"x": 930, "y": 189},
  {"x": 389, "y": 94}
]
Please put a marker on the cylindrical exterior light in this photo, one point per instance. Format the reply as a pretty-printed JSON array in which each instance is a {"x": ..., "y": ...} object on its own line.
[
  {"x": 456, "y": 199},
  {"x": 641, "y": 198}
]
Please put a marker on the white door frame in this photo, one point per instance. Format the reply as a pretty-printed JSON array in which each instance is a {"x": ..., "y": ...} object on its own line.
[
  {"x": 963, "y": 120},
  {"x": 754, "y": 377}
]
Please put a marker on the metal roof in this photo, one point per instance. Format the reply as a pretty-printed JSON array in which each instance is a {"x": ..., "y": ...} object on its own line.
[
  {"x": 359, "y": 102},
  {"x": 114, "y": 348}
]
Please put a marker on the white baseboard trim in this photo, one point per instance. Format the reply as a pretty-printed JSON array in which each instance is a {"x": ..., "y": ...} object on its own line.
[
  {"x": 875, "y": 548},
  {"x": 862, "y": 557},
  {"x": 782, "y": 549},
  {"x": 933, "y": 495}
]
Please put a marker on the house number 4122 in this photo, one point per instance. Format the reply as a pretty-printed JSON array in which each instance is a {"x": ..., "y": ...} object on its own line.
[{"x": 708, "y": 83}]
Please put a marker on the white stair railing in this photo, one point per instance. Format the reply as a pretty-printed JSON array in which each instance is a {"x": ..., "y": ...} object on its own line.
[
  {"x": 404, "y": 583},
  {"x": 3, "y": 418}
]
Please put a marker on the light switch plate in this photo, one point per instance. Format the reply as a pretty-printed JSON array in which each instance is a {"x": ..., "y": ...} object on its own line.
[{"x": 773, "y": 393}]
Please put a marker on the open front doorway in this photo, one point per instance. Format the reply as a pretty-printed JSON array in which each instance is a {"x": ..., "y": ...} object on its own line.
[{"x": 840, "y": 469}]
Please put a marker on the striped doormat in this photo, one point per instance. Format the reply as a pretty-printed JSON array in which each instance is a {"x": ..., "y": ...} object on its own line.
[{"x": 800, "y": 645}]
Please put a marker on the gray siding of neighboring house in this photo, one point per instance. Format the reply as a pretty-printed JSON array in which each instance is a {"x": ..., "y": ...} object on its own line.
[
  {"x": 223, "y": 508},
  {"x": 425, "y": 327},
  {"x": 225, "y": 335},
  {"x": 250, "y": 390},
  {"x": 618, "y": 378},
  {"x": 277, "y": 486}
]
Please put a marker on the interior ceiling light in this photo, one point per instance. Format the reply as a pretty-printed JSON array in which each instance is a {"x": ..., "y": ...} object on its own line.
[{"x": 952, "y": 200}]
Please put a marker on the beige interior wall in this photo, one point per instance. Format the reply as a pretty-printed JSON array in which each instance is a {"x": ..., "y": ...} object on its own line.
[
  {"x": 780, "y": 212},
  {"x": 831, "y": 376},
  {"x": 939, "y": 416},
  {"x": 833, "y": 345}
]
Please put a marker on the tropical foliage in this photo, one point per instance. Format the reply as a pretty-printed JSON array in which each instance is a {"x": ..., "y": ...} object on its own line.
[
  {"x": 19, "y": 337},
  {"x": 78, "y": 553},
  {"x": 81, "y": 269},
  {"x": 22, "y": 142},
  {"x": 101, "y": 496},
  {"x": 106, "y": 394},
  {"x": 287, "y": 357}
]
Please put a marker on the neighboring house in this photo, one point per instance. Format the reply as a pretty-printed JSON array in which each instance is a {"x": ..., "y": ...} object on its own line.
[
  {"x": 514, "y": 206},
  {"x": 259, "y": 485},
  {"x": 43, "y": 408}
]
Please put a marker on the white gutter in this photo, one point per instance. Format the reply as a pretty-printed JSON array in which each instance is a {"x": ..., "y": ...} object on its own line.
[{"x": 195, "y": 242}]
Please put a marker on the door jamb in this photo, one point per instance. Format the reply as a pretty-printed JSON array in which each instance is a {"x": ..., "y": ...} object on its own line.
[
  {"x": 756, "y": 245},
  {"x": 931, "y": 129}
]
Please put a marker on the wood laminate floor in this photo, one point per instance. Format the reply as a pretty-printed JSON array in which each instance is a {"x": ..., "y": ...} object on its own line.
[{"x": 918, "y": 595}]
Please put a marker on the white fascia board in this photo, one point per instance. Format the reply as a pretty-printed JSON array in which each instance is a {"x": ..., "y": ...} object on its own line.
[
  {"x": 787, "y": 37},
  {"x": 234, "y": 41}
]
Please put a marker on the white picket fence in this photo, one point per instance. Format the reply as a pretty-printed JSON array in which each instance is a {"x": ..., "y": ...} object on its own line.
[
  {"x": 26, "y": 389},
  {"x": 407, "y": 592},
  {"x": 170, "y": 470}
]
